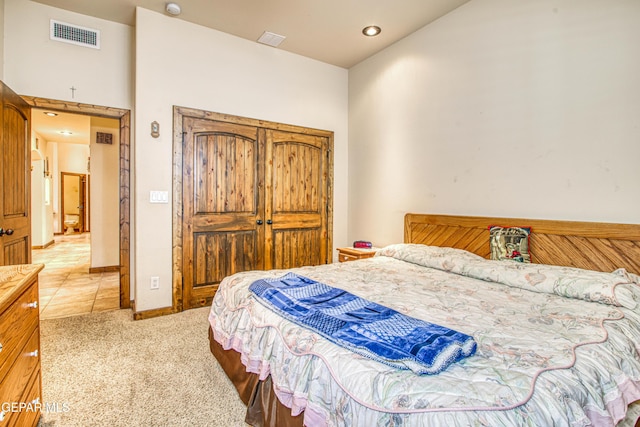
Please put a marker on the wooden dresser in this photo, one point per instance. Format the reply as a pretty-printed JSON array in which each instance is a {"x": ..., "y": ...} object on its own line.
[{"x": 20, "y": 383}]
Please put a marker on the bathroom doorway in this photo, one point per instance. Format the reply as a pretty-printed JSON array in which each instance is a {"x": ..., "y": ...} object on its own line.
[{"x": 74, "y": 202}]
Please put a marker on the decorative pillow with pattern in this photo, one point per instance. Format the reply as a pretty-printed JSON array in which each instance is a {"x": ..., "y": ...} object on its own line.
[{"x": 510, "y": 243}]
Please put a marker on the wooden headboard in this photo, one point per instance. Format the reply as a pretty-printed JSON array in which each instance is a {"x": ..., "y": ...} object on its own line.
[{"x": 590, "y": 245}]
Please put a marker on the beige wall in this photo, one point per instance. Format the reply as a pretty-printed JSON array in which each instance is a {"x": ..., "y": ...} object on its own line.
[
  {"x": 41, "y": 212},
  {"x": 38, "y": 238},
  {"x": 105, "y": 194},
  {"x": 500, "y": 108},
  {"x": 37, "y": 66},
  {"x": 72, "y": 158},
  {"x": 232, "y": 75},
  {"x": 52, "y": 153},
  {"x": 2, "y": 41},
  {"x": 103, "y": 187},
  {"x": 187, "y": 65}
]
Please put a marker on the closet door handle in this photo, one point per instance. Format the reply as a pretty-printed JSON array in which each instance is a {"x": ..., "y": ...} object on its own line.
[
  {"x": 8, "y": 232},
  {"x": 259, "y": 222},
  {"x": 269, "y": 222}
]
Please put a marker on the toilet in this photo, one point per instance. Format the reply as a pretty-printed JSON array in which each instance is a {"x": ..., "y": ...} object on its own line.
[{"x": 71, "y": 223}]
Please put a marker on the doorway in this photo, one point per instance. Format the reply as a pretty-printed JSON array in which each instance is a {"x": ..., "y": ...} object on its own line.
[
  {"x": 74, "y": 202},
  {"x": 124, "y": 118}
]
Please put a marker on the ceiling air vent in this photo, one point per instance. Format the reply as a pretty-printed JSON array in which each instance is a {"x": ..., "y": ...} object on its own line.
[
  {"x": 271, "y": 39},
  {"x": 75, "y": 34}
]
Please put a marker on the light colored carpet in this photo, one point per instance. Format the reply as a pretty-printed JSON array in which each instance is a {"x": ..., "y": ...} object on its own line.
[{"x": 104, "y": 369}]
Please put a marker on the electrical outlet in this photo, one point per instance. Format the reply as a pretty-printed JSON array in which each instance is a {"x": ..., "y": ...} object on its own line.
[{"x": 155, "y": 282}]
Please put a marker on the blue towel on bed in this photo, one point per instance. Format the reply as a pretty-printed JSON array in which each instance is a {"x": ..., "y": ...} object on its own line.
[{"x": 364, "y": 327}]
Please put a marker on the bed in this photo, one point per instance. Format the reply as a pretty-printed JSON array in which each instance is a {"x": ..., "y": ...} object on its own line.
[{"x": 558, "y": 340}]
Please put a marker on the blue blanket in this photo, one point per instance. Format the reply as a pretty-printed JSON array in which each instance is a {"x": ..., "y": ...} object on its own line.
[{"x": 362, "y": 326}]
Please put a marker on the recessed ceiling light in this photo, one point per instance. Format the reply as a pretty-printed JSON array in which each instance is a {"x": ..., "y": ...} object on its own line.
[
  {"x": 50, "y": 114},
  {"x": 173, "y": 9},
  {"x": 66, "y": 132},
  {"x": 371, "y": 30}
]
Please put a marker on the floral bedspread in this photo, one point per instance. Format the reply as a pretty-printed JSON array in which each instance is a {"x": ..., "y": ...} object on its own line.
[{"x": 556, "y": 346}]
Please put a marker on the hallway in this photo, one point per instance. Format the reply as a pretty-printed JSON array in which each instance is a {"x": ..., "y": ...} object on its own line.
[{"x": 66, "y": 286}]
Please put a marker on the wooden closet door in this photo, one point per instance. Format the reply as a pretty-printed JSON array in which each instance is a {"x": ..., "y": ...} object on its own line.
[
  {"x": 223, "y": 203},
  {"x": 296, "y": 208}
]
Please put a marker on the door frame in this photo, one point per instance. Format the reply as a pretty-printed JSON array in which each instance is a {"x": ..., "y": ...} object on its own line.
[
  {"x": 178, "y": 134},
  {"x": 82, "y": 198},
  {"x": 124, "y": 118}
]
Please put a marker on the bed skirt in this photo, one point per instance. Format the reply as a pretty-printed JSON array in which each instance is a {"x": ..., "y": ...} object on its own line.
[{"x": 263, "y": 407}]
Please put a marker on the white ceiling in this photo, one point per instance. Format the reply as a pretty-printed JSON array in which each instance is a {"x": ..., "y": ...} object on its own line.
[
  {"x": 327, "y": 30},
  {"x": 49, "y": 128}
]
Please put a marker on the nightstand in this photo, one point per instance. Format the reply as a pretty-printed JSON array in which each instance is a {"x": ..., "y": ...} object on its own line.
[{"x": 352, "y": 254}]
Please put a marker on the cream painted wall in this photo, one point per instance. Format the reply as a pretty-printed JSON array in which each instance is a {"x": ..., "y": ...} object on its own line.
[
  {"x": 105, "y": 195},
  {"x": 2, "y": 40},
  {"x": 187, "y": 65},
  {"x": 72, "y": 158},
  {"x": 38, "y": 238},
  {"x": 258, "y": 81},
  {"x": 41, "y": 212},
  {"x": 101, "y": 76},
  {"x": 500, "y": 108},
  {"x": 52, "y": 153}
]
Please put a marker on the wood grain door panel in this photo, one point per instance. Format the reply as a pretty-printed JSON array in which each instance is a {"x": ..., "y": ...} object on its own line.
[
  {"x": 297, "y": 247},
  {"x": 217, "y": 255},
  {"x": 223, "y": 202},
  {"x": 15, "y": 176},
  {"x": 14, "y": 156},
  {"x": 296, "y": 174},
  {"x": 16, "y": 251},
  {"x": 297, "y": 187},
  {"x": 225, "y": 174},
  {"x": 249, "y": 195}
]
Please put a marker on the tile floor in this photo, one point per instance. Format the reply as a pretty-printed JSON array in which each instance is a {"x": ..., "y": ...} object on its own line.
[{"x": 66, "y": 286}]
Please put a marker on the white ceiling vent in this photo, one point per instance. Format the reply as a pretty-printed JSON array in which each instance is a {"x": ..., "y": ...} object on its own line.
[
  {"x": 74, "y": 34},
  {"x": 271, "y": 39}
]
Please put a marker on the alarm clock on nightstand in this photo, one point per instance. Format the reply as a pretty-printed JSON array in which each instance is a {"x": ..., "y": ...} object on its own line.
[{"x": 362, "y": 244}]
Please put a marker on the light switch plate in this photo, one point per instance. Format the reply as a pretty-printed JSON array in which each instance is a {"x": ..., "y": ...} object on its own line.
[{"x": 158, "y": 196}]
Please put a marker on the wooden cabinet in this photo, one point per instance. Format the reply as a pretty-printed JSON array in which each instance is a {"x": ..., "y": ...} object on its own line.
[
  {"x": 255, "y": 195},
  {"x": 352, "y": 254},
  {"x": 20, "y": 382}
]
